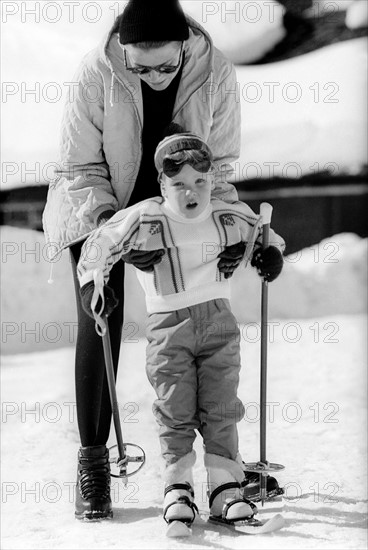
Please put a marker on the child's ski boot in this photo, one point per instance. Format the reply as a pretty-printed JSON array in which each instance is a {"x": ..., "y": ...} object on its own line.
[
  {"x": 179, "y": 503},
  {"x": 179, "y": 507},
  {"x": 226, "y": 500}
]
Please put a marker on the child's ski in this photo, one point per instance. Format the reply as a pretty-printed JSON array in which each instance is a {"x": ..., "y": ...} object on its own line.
[
  {"x": 178, "y": 528},
  {"x": 252, "y": 526}
]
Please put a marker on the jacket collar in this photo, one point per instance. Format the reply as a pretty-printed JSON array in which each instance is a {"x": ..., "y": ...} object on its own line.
[{"x": 198, "y": 64}]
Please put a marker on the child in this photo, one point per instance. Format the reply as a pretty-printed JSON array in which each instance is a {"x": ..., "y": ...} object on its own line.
[{"x": 193, "y": 359}]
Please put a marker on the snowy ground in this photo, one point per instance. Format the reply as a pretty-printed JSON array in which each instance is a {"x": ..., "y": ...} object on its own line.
[{"x": 317, "y": 429}]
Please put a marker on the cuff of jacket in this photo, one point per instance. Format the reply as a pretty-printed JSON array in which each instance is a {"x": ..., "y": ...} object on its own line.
[
  {"x": 104, "y": 217},
  {"x": 102, "y": 214}
]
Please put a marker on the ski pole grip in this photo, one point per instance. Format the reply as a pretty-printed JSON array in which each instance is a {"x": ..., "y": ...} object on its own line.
[{"x": 266, "y": 213}]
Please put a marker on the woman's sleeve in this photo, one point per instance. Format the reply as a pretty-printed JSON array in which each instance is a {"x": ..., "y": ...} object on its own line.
[
  {"x": 83, "y": 170},
  {"x": 224, "y": 139},
  {"x": 105, "y": 246}
]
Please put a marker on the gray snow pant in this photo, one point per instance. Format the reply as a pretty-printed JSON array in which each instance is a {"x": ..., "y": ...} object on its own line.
[{"x": 193, "y": 363}]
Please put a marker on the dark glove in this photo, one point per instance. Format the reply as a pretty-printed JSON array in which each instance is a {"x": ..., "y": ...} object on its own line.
[
  {"x": 268, "y": 262},
  {"x": 143, "y": 259},
  {"x": 111, "y": 301},
  {"x": 230, "y": 258}
]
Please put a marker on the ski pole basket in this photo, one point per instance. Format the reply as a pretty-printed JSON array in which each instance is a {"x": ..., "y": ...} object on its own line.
[
  {"x": 132, "y": 454},
  {"x": 263, "y": 469}
]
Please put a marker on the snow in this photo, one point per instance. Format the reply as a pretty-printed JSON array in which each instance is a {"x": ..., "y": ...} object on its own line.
[
  {"x": 316, "y": 428},
  {"x": 305, "y": 114},
  {"x": 244, "y": 31}
]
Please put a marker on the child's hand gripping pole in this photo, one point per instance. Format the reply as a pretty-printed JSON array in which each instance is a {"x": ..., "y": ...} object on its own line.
[
  {"x": 102, "y": 328},
  {"x": 263, "y": 466}
]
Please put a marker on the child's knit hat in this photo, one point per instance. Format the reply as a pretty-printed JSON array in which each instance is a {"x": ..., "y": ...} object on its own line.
[
  {"x": 181, "y": 141},
  {"x": 153, "y": 21}
]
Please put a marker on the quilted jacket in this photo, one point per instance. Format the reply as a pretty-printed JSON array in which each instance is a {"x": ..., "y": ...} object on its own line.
[{"x": 102, "y": 126}]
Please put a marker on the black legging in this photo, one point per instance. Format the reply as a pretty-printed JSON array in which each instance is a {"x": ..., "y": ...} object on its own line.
[{"x": 92, "y": 394}]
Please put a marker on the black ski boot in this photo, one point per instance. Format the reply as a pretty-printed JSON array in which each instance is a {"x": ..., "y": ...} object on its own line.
[
  {"x": 251, "y": 486},
  {"x": 93, "y": 499}
]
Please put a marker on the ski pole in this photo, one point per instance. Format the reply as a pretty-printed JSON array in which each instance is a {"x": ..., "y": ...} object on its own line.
[
  {"x": 122, "y": 459},
  {"x": 266, "y": 213},
  {"x": 262, "y": 467},
  {"x": 102, "y": 329}
]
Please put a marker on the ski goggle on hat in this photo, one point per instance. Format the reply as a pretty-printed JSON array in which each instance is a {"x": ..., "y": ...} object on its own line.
[{"x": 179, "y": 149}]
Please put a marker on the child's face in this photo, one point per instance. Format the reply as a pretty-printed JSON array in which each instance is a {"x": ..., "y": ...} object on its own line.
[{"x": 188, "y": 192}]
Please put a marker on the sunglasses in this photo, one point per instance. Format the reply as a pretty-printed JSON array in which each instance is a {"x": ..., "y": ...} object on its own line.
[
  {"x": 161, "y": 69},
  {"x": 199, "y": 160}
]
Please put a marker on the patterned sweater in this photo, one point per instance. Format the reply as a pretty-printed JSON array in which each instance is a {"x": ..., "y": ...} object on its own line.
[{"x": 188, "y": 273}]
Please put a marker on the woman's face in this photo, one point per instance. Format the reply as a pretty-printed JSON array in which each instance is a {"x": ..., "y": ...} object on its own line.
[{"x": 168, "y": 57}]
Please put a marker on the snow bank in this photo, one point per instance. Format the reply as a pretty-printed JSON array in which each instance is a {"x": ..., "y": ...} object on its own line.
[
  {"x": 325, "y": 279},
  {"x": 35, "y": 315},
  {"x": 305, "y": 114},
  {"x": 243, "y": 31}
]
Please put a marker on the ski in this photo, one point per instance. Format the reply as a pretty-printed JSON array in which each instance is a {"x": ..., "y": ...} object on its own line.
[
  {"x": 178, "y": 528},
  {"x": 252, "y": 526}
]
